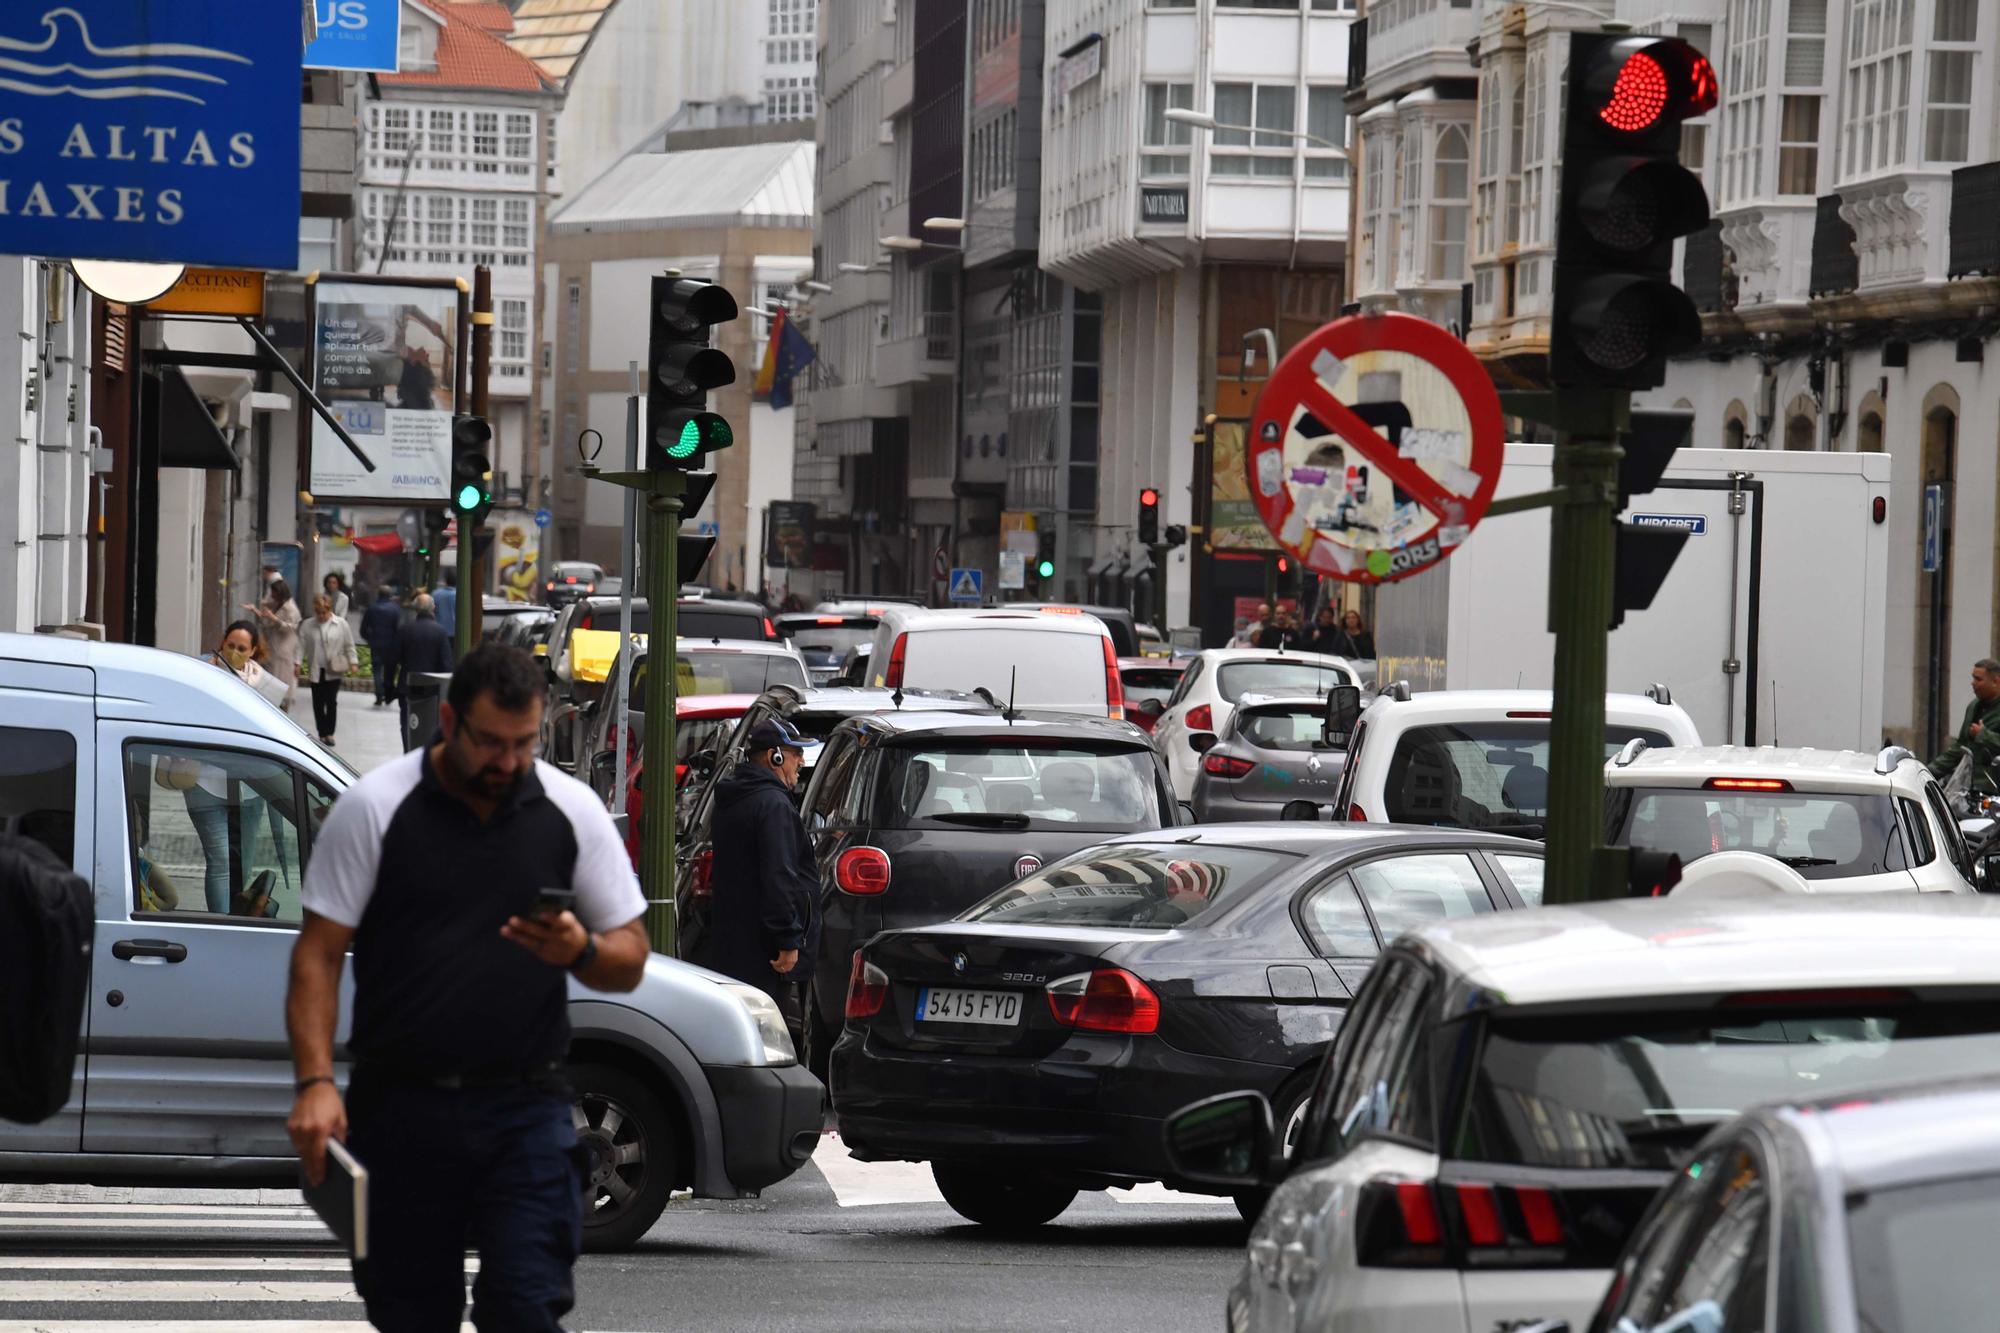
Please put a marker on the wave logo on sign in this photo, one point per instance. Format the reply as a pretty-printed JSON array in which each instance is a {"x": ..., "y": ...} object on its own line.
[{"x": 101, "y": 73}]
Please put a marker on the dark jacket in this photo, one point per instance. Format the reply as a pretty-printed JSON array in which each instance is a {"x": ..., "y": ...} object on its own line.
[
  {"x": 379, "y": 624},
  {"x": 421, "y": 645},
  {"x": 1335, "y": 641},
  {"x": 766, "y": 889},
  {"x": 1271, "y": 636},
  {"x": 1984, "y": 748}
]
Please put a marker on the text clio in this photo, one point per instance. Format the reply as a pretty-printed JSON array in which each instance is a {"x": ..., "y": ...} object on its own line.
[{"x": 117, "y": 143}]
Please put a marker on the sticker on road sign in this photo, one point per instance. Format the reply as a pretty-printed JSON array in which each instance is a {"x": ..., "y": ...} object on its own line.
[
  {"x": 1694, "y": 525},
  {"x": 967, "y": 585},
  {"x": 1375, "y": 447}
]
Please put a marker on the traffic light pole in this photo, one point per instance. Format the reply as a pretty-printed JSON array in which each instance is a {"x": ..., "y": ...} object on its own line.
[
  {"x": 471, "y": 604},
  {"x": 656, "y": 835}
]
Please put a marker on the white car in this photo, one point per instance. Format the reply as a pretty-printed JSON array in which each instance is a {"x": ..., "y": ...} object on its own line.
[
  {"x": 1509, "y": 1091},
  {"x": 1061, "y": 662},
  {"x": 1847, "y": 822},
  {"x": 1479, "y": 758},
  {"x": 1215, "y": 679}
]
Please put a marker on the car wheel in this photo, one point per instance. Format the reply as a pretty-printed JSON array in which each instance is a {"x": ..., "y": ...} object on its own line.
[
  {"x": 1289, "y": 1115},
  {"x": 633, "y": 1147},
  {"x": 1005, "y": 1201}
]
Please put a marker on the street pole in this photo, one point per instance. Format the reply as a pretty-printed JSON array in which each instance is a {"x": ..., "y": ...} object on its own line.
[
  {"x": 471, "y": 607},
  {"x": 1583, "y": 556},
  {"x": 628, "y": 557},
  {"x": 656, "y": 836}
]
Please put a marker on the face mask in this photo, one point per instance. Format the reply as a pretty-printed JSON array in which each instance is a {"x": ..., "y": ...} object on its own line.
[{"x": 236, "y": 657}]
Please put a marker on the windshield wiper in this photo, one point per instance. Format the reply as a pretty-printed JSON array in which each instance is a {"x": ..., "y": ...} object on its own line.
[
  {"x": 980, "y": 818},
  {"x": 1796, "y": 861}
]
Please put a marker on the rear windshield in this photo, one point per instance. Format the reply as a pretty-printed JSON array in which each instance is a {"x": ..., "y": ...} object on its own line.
[
  {"x": 1297, "y": 728},
  {"x": 1143, "y": 887},
  {"x": 826, "y": 645},
  {"x": 715, "y": 622},
  {"x": 699, "y": 735},
  {"x": 1038, "y": 668},
  {"x": 608, "y": 618},
  {"x": 1277, "y": 676},
  {"x": 733, "y": 673},
  {"x": 1823, "y": 835},
  {"x": 1913, "y": 1248},
  {"x": 1482, "y": 775},
  {"x": 1143, "y": 683},
  {"x": 988, "y": 784},
  {"x": 1640, "y": 1090}
]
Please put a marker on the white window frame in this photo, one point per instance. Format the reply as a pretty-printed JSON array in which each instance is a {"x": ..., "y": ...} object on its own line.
[
  {"x": 1166, "y": 146},
  {"x": 1264, "y": 148}
]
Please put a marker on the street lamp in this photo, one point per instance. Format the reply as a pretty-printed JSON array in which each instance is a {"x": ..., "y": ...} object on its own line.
[
  {"x": 820, "y": 287},
  {"x": 911, "y": 243},
  {"x": 1202, "y": 120},
  {"x": 944, "y": 224},
  {"x": 851, "y": 267}
]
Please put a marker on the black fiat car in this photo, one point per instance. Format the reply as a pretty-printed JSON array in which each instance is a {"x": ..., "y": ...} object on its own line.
[
  {"x": 914, "y": 816},
  {"x": 1035, "y": 1046}
]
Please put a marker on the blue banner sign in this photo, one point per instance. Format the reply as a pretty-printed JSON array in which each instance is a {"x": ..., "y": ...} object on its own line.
[
  {"x": 1692, "y": 524},
  {"x": 166, "y": 133},
  {"x": 357, "y": 34}
]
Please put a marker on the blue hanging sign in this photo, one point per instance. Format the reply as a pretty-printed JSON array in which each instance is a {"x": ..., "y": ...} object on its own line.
[
  {"x": 356, "y": 34},
  {"x": 164, "y": 133}
]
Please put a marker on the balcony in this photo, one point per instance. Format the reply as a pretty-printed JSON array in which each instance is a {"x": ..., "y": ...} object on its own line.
[
  {"x": 1902, "y": 227},
  {"x": 927, "y": 351},
  {"x": 1410, "y": 43},
  {"x": 1975, "y": 221}
]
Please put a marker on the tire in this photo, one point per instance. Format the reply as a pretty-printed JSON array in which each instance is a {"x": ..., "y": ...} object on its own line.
[
  {"x": 623, "y": 1200},
  {"x": 1001, "y": 1200},
  {"x": 1288, "y": 1114}
]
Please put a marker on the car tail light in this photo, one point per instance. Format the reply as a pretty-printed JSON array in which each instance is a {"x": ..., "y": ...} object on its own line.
[
  {"x": 1747, "y": 784},
  {"x": 862, "y": 871},
  {"x": 893, "y": 677},
  {"x": 680, "y": 775},
  {"x": 702, "y": 872},
  {"x": 1538, "y": 1215},
  {"x": 1419, "y": 1213},
  {"x": 1114, "y": 686},
  {"x": 1107, "y": 1000},
  {"x": 1544, "y": 715},
  {"x": 586, "y": 622},
  {"x": 829, "y": 620},
  {"x": 1201, "y": 718},
  {"x": 569, "y": 578},
  {"x": 1356, "y": 815},
  {"x": 867, "y": 988},
  {"x": 770, "y": 630},
  {"x": 1481, "y": 1213},
  {"x": 1225, "y": 765},
  {"x": 1417, "y": 1224}
]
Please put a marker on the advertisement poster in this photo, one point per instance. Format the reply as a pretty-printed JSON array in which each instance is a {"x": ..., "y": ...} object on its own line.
[
  {"x": 356, "y": 34},
  {"x": 791, "y": 528},
  {"x": 517, "y": 556},
  {"x": 385, "y": 360},
  {"x": 1234, "y": 523}
]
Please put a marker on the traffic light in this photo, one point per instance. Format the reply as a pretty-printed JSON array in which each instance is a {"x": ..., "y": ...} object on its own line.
[
  {"x": 432, "y": 532},
  {"x": 1647, "y": 550},
  {"x": 1044, "y": 565},
  {"x": 1625, "y": 198},
  {"x": 1651, "y": 874},
  {"x": 1176, "y": 535},
  {"x": 471, "y": 470},
  {"x": 683, "y": 368},
  {"x": 1149, "y": 517},
  {"x": 693, "y": 549}
]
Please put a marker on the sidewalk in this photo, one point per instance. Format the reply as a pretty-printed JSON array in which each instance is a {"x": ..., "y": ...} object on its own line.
[{"x": 367, "y": 737}]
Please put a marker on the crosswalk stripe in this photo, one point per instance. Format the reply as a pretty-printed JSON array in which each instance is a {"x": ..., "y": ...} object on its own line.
[
  {"x": 199, "y": 1209},
  {"x": 40, "y": 1223},
  {"x": 858, "y": 1184},
  {"x": 184, "y": 1326},
  {"x": 153, "y": 1291},
  {"x": 332, "y": 1262}
]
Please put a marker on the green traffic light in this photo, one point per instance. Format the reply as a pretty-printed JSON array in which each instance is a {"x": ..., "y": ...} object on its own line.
[
  {"x": 469, "y": 498},
  {"x": 689, "y": 442},
  {"x": 1046, "y": 569}
]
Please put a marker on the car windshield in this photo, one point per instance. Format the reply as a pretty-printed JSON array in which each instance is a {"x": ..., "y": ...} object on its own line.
[
  {"x": 697, "y": 735},
  {"x": 1640, "y": 1089},
  {"x": 1913, "y": 1248},
  {"x": 1143, "y": 683},
  {"x": 1822, "y": 835},
  {"x": 1133, "y": 886},
  {"x": 1293, "y": 727},
  {"x": 722, "y": 672},
  {"x": 1013, "y": 786},
  {"x": 1277, "y": 675},
  {"x": 825, "y": 645},
  {"x": 694, "y": 621},
  {"x": 1482, "y": 775},
  {"x": 1036, "y": 668},
  {"x": 608, "y": 617}
]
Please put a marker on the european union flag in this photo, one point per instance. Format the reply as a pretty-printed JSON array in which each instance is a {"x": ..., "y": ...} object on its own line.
[{"x": 791, "y": 355}]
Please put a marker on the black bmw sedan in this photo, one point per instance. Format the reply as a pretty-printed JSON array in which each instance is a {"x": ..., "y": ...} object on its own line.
[{"x": 1030, "y": 1048}]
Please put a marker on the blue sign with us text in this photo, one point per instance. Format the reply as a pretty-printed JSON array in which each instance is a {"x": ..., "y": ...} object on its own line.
[
  {"x": 356, "y": 34},
  {"x": 164, "y": 133}
]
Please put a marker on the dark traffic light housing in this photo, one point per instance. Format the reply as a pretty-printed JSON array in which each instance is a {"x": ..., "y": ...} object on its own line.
[
  {"x": 1625, "y": 199},
  {"x": 1645, "y": 552},
  {"x": 683, "y": 366},
  {"x": 471, "y": 470},
  {"x": 1149, "y": 516}
]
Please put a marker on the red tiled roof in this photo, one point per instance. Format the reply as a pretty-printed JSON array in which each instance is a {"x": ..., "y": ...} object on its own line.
[
  {"x": 488, "y": 14},
  {"x": 471, "y": 56}
]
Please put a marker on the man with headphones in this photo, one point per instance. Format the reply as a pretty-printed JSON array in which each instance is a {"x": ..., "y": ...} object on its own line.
[{"x": 764, "y": 921}]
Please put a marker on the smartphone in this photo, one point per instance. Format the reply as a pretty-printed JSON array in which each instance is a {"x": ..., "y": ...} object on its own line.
[{"x": 554, "y": 902}]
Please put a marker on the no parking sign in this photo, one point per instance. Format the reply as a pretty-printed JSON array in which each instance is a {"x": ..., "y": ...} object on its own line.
[{"x": 1375, "y": 447}]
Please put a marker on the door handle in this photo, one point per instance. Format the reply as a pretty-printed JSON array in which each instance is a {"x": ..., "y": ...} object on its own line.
[{"x": 167, "y": 949}]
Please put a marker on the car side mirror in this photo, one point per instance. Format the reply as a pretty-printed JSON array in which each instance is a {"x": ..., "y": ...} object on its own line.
[
  {"x": 1152, "y": 707},
  {"x": 1300, "y": 810},
  {"x": 1343, "y": 714},
  {"x": 1188, "y": 816},
  {"x": 1225, "y": 1140},
  {"x": 1201, "y": 742}
]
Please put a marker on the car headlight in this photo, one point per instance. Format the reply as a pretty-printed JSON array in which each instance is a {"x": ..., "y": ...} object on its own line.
[{"x": 777, "y": 1038}]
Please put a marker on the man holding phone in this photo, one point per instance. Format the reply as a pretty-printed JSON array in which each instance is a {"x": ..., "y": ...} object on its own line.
[{"x": 472, "y": 882}]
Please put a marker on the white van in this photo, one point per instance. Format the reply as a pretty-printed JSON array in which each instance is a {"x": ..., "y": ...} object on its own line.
[{"x": 1059, "y": 661}]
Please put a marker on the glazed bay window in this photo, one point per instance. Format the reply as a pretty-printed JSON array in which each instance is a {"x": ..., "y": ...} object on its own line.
[
  {"x": 1798, "y": 146},
  {"x": 1326, "y": 118},
  {"x": 1167, "y": 142},
  {"x": 1273, "y": 109},
  {"x": 1875, "y": 133},
  {"x": 1450, "y": 203},
  {"x": 1948, "y": 94},
  {"x": 514, "y": 333}
]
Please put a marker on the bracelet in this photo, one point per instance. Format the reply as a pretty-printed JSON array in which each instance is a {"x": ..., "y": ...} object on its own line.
[{"x": 305, "y": 1083}]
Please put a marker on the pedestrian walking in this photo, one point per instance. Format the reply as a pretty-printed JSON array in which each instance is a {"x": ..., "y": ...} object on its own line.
[
  {"x": 278, "y": 618},
  {"x": 335, "y": 588},
  {"x": 445, "y": 595},
  {"x": 379, "y": 624},
  {"x": 1280, "y": 632},
  {"x": 1245, "y": 636},
  {"x": 437, "y": 869},
  {"x": 763, "y": 919},
  {"x": 329, "y": 655},
  {"x": 421, "y": 645},
  {"x": 1978, "y": 735},
  {"x": 1355, "y": 640}
]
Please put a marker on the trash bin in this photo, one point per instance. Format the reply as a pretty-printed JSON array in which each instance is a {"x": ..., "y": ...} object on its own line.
[{"x": 425, "y": 690}]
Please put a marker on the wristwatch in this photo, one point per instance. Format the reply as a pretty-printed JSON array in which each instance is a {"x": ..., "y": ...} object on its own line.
[{"x": 587, "y": 957}]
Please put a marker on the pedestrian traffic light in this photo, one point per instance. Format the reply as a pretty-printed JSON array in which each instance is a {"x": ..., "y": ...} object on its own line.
[
  {"x": 471, "y": 470},
  {"x": 1625, "y": 199},
  {"x": 1647, "y": 550},
  {"x": 684, "y": 367},
  {"x": 1045, "y": 558},
  {"x": 1149, "y": 517}
]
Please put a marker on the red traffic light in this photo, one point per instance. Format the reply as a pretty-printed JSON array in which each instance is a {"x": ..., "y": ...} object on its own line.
[
  {"x": 1638, "y": 97},
  {"x": 1149, "y": 497},
  {"x": 1646, "y": 80}
]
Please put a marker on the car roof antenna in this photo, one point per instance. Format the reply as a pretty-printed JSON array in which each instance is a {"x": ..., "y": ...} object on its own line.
[
  {"x": 1014, "y": 672},
  {"x": 897, "y": 697}
]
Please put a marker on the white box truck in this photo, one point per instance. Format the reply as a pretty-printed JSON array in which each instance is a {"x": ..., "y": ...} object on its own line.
[{"x": 1768, "y": 629}]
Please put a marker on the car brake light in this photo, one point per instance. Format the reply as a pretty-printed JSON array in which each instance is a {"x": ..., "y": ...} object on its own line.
[
  {"x": 1544, "y": 716},
  {"x": 704, "y": 872},
  {"x": 829, "y": 620},
  {"x": 1481, "y": 1212},
  {"x": 893, "y": 677},
  {"x": 1356, "y": 815},
  {"x": 1538, "y": 1212},
  {"x": 867, "y": 988},
  {"x": 569, "y": 578},
  {"x": 1114, "y": 686},
  {"x": 1107, "y": 1000},
  {"x": 862, "y": 871},
  {"x": 1201, "y": 718},
  {"x": 1747, "y": 784},
  {"x": 1413, "y": 1224},
  {"x": 770, "y": 630},
  {"x": 1419, "y": 1213},
  {"x": 1225, "y": 765}
]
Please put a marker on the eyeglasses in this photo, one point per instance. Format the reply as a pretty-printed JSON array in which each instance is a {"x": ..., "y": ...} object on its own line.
[{"x": 528, "y": 747}]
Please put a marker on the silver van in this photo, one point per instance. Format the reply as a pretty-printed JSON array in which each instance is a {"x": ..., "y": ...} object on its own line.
[{"x": 191, "y": 803}]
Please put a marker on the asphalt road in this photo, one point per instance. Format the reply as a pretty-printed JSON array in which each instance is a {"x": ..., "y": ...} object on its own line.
[{"x": 840, "y": 1246}]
